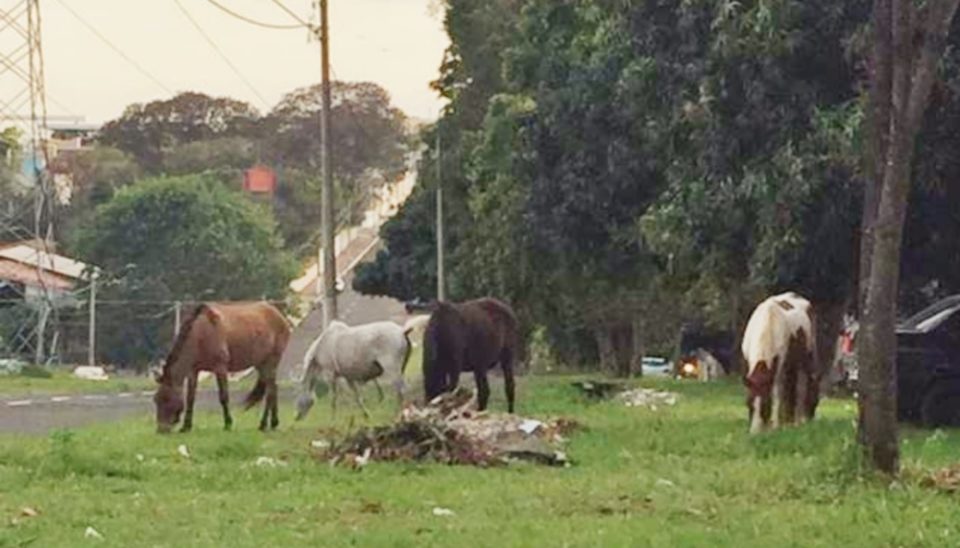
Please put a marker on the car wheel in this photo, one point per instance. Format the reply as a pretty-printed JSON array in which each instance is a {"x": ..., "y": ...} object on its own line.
[{"x": 941, "y": 406}]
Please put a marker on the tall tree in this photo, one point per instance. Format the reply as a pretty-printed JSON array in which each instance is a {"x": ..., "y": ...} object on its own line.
[
  {"x": 908, "y": 45},
  {"x": 148, "y": 131},
  {"x": 370, "y": 131}
]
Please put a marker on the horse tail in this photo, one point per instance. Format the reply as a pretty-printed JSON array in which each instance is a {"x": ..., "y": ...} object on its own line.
[
  {"x": 255, "y": 395},
  {"x": 406, "y": 352}
]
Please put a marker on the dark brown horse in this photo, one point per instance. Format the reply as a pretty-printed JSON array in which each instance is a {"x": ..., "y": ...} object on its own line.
[
  {"x": 223, "y": 338},
  {"x": 471, "y": 336}
]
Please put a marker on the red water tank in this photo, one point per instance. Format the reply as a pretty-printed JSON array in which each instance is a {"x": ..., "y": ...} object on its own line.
[{"x": 259, "y": 180}]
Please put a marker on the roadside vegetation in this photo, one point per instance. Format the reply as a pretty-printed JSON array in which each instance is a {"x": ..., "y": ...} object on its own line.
[{"x": 687, "y": 475}]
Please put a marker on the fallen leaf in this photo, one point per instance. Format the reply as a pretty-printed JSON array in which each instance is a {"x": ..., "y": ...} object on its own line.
[
  {"x": 443, "y": 512},
  {"x": 93, "y": 533},
  {"x": 28, "y": 512},
  {"x": 182, "y": 449}
]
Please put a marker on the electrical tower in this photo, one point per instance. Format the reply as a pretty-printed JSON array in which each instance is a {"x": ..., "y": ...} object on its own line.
[{"x": 26, "y": 190}]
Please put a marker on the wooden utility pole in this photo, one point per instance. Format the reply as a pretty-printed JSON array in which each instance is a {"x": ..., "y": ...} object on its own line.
[
  {"x": 441, "y": 275},
  {"x": 326, "y": 159}
]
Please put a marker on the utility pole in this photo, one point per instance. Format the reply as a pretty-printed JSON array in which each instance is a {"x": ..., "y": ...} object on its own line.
[
  {"x": 441, "y": 276},
  {"x": 92, "y": 341},
  {"x": 326, "y": 197}
]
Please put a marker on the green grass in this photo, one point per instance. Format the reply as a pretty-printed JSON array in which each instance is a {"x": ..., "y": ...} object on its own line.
[
  {"x": 62, "y": 382},
  {"x": 682, "y": 476}
]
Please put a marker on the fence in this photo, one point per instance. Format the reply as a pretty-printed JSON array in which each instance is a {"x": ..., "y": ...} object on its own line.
[{"x": 127, "y": 334}]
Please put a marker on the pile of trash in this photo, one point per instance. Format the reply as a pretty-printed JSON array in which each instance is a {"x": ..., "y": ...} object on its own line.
[
  {"x": 10, "y": 367},
  {"x": 631, "y": 397},
  {"x": 647, "y": 397},
  {"x": 91, "y": 373},
  {"x": 450, "y": 430},
  {"x": 946, "y": 479}
]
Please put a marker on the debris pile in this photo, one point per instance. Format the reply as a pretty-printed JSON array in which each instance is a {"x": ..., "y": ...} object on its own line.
[
  {"x": 450, "y": 430},
  {"x": 647, "y": 397},
  {"x": 635, "y": 397},
  {"x": 946, "y": 479}
]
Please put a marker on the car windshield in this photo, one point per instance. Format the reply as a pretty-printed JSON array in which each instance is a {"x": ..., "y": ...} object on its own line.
[{"x": 933, "y": 315}]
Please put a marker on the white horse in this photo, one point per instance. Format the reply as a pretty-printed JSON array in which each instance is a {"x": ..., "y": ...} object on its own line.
[
  {"x": 781, "y": 379},
  {"x": 358, "y": 355}
]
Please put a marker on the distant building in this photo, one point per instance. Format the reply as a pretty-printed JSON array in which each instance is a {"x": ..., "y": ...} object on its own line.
[
  {"x": 260, "y": 179},
  {"x": 27, "y": 271}
]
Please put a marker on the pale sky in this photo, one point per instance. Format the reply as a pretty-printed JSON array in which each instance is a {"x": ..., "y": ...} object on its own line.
[{"x": 398, "y": 44}]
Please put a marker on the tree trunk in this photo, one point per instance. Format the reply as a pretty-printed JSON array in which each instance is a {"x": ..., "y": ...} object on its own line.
[
  {"x": 829, "y": 323},
  {"x": 912, "y": 75},
  {"x": 639, "y": 344},
  {"x": 608, "y": 357},
  {"x": 623, "y": 349}
]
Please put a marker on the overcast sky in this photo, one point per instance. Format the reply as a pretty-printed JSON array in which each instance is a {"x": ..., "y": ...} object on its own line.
[{"x": 396, "y": 43}]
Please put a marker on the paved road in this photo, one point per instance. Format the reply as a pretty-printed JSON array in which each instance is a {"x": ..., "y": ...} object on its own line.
[{"x": 42, "y": 414}]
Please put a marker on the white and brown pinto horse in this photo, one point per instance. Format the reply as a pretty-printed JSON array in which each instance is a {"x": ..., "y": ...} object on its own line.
[{"x": 779, "y": 347}]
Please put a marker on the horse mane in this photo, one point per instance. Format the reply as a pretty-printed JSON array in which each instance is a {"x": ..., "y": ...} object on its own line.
[{"x": 181, "y": 339}]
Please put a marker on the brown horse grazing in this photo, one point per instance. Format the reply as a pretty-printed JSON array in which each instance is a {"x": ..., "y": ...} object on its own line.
[
  {"x": 471, "y": 336},
  {"x": 223, "y": 338}
]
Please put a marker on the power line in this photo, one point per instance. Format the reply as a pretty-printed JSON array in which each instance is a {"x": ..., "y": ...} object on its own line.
[
  {"x": 246, "y": 19},
  {"x": 293, "y": 14},
  {"x": 111, "y": 45},
  {"x": 222, "y": 55}
]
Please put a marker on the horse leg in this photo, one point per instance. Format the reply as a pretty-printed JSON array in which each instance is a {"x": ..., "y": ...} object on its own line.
[
  {"x": 509, "y": 386},
  {"x": 191, "y": 396},
  {"x": 266, "y": 404},
  {"x": 358, "y": 397},
  {"x": 788, "y": 405},
  {"x": 334, "y": 381},
  {"x": 273, "y": 403},
  {"x": 483, "y": 388},
  {"x": 224, "y": 398}
]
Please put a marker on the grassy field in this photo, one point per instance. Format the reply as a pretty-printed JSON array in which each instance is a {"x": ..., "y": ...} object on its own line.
[
  {"x": 681, "y": 476},
  {"x": 62, "y": 382}
]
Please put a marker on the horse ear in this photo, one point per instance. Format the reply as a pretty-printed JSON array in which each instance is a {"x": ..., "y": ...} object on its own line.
[{"x": 212, "y": 315}]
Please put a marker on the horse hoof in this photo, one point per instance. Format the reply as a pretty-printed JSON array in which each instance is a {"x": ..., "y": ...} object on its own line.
[{"x": 186, "y": 429}]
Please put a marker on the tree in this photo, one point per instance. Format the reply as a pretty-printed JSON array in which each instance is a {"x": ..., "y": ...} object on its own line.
[
  {"x": 148, "y": 132},
  {"x": 177, "y": 238},
  {"x": 94, "y": 175},
  {"x": 370, "y": 132},
  {"x": 223, "y": 154},
  {"x": 907, "y": 46},
  {"x": 196, "y": 238}
]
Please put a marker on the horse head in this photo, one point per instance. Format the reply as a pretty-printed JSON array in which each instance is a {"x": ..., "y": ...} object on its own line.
[{"x": 169, "y": 403}]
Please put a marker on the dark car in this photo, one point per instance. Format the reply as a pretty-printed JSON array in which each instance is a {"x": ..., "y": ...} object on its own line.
[{"x": 928, "y": 364}]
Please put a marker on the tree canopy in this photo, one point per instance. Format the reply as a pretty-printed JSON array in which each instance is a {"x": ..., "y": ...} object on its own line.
[{"x": 606, "y": 162}]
